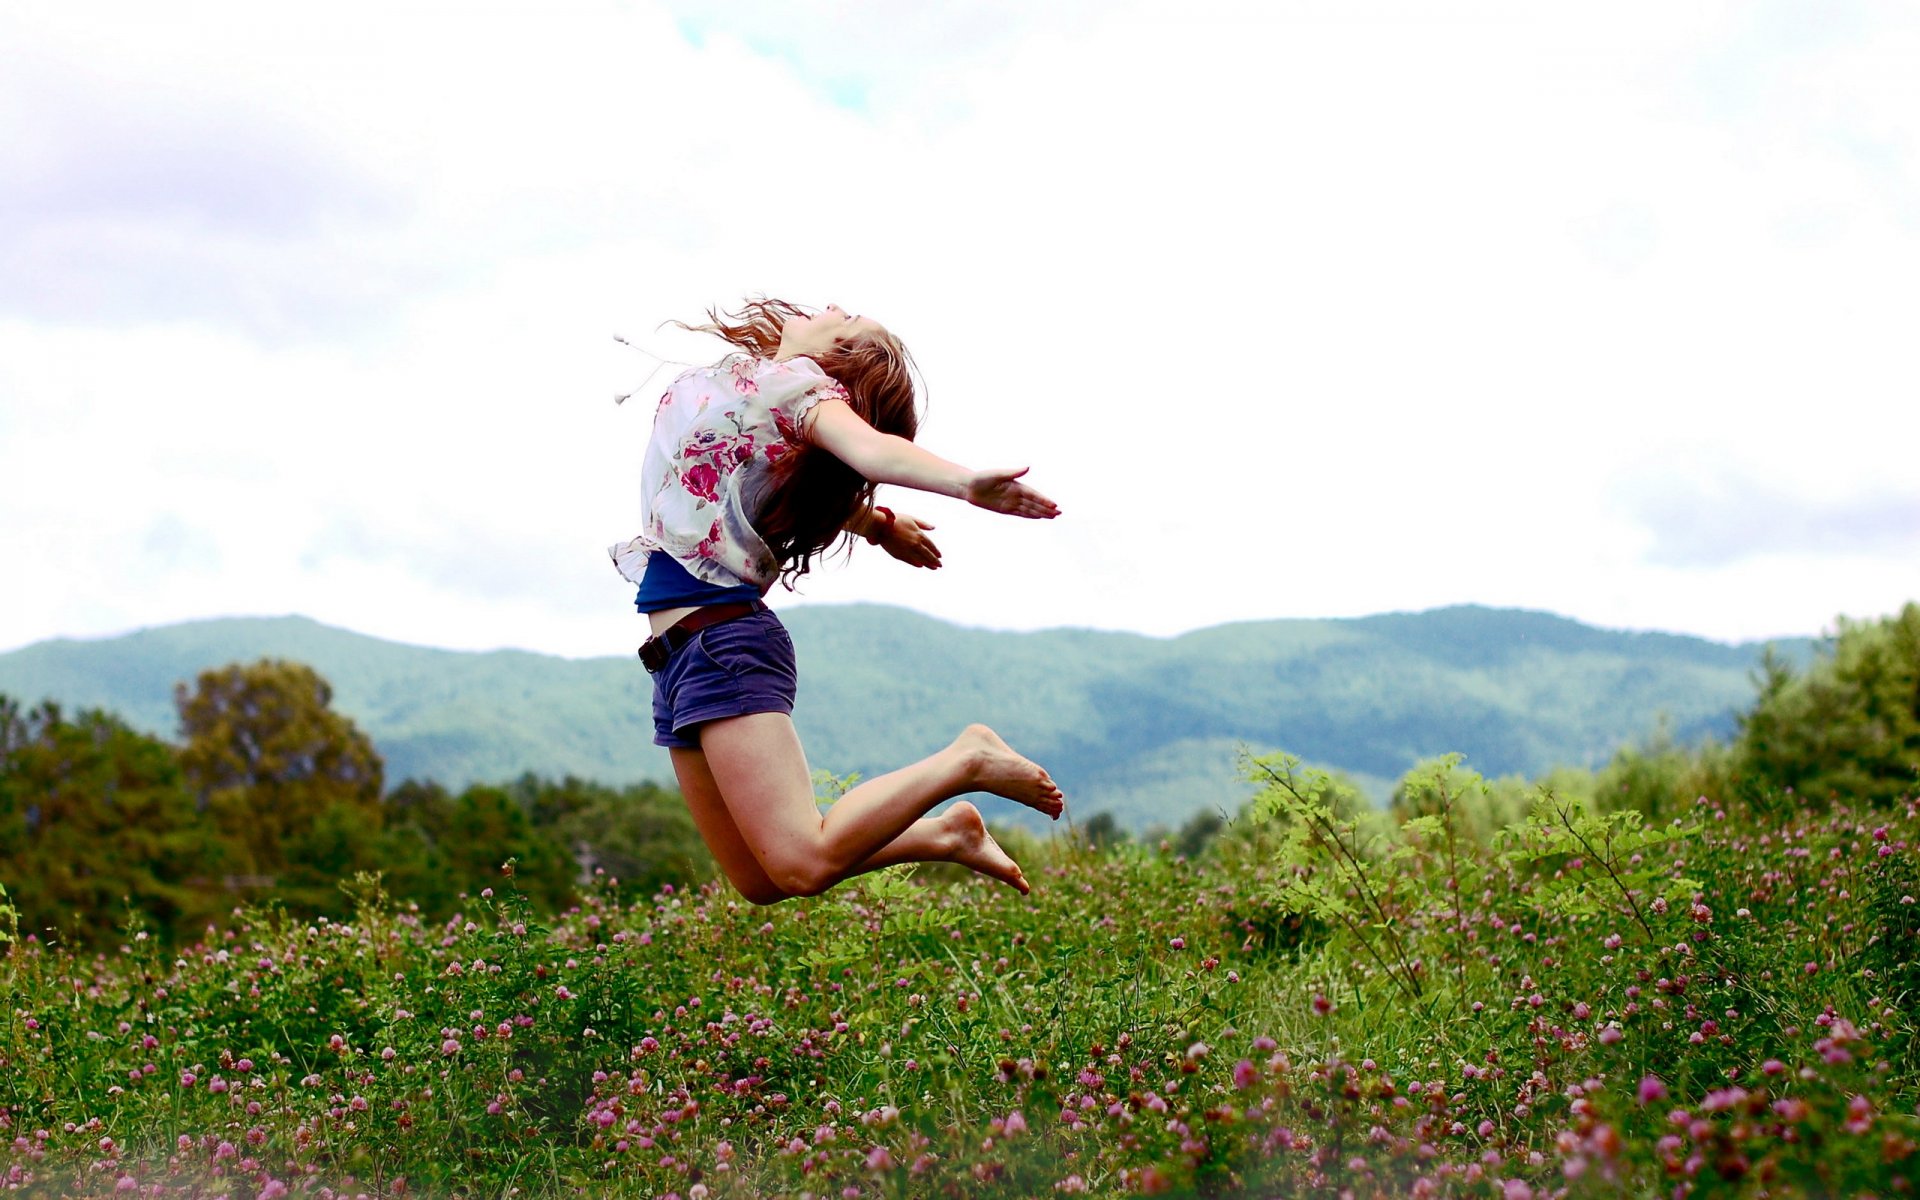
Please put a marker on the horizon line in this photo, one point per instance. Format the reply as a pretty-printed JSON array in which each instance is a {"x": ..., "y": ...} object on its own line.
[{"x": 808, "y": 605}]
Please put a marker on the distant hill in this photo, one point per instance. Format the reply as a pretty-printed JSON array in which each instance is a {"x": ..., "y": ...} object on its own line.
[{"x": 1146, "y": 727}]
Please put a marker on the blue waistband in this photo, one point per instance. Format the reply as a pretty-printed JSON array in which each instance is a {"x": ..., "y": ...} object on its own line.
[{"x": 667, "y": 584}]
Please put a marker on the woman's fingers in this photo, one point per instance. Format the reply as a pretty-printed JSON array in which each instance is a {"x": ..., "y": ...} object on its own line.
[
  {"x": 929, "y": 553},
  {"x": 910, "y": 544},
  {"x": 1032, "y": 503},
  {"x": 1001, "y": 491}
]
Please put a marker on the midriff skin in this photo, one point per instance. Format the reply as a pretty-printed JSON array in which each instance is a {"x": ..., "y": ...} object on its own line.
[{"x": 667, "y": 618}]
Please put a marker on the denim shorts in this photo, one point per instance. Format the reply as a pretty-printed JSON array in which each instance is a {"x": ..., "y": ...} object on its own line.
[{"x": 727, "y": 670}]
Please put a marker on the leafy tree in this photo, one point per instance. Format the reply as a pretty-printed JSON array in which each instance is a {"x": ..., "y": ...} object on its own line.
[
  {"x": 1850, "y": 726},
  {"x": 97, "y": 823},
  {"x": 1103, "y": 829},
  {"x": 422, "y": 804},
  {"x": 641, "y": 835},
  {"x": 486, "y": 828},
  {"x": 292, "y": 785},
  {"x": 413, "y": 868},
  {"x": 552, "y": 805},
  {"x": 1199, "y": 831}
]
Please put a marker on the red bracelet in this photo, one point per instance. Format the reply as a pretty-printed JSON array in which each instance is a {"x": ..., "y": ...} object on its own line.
[{"x": 875, "y": 537}]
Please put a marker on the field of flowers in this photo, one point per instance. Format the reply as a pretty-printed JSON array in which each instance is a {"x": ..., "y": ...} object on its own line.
[{"x": 1581, "y": 1007}]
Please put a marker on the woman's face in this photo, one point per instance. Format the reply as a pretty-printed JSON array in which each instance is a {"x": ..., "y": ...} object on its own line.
[{"x": 817, "y": 334}]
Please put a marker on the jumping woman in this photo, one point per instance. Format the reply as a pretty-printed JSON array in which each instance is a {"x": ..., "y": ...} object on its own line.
[{"x": 757, "y": 465}]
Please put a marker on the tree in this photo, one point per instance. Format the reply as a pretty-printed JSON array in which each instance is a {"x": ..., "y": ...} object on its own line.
[
  {"x": 95, "y": 820},
  {"x": 1850, "y": 726},
  {"x": 1103, "y": 830},
  {"x": 1199, "y": 831},
  {"x": 292, "y": 785},
  {"x": 486, "y": 828},
  {"x": 412, "y": 866},
  {"x": 641, "y": 835}
]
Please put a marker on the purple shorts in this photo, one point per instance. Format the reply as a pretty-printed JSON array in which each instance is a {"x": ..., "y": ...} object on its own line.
[{"x": 727, "y": 670}]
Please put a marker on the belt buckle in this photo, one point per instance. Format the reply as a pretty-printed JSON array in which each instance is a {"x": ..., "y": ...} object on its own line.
[{"x": 654, "y": 654}]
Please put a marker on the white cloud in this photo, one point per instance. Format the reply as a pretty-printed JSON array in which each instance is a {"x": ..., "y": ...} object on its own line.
[
  {"x": 1299, "y": 310},
  {"x": 1706, "y": 515}
]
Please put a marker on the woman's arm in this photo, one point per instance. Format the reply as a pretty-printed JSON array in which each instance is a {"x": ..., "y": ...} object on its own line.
[
  {"x": 882, "y": 457},
  {"x": 885, "y": 458},
  {"x": 904, "y": 537}
]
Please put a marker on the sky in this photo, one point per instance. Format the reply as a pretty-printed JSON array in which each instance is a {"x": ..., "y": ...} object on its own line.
[{"x": 1297, "y": 309}]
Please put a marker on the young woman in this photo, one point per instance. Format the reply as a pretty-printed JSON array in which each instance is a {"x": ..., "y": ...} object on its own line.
[{"x": 755, "y": 466}]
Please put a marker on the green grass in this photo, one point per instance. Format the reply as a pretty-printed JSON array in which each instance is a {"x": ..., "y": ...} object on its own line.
[{"x": 1140, "y": 1024}]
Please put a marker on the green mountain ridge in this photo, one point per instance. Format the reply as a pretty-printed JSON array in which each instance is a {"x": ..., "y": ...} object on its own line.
[{"x": 1145, "y": 727}]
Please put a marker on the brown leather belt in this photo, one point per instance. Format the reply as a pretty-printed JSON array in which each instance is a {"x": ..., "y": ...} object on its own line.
[{"x": 655, "y": 651}]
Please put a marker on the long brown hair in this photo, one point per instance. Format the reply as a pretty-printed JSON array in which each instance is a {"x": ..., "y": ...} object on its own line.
[{"x": 815, "y": 494}]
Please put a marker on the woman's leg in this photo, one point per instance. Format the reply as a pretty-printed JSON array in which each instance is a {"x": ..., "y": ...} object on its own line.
[
  {"x": 760, "y": 772},
  {"x": 958, "y": 835},
  {"x": 717, "y": 829}
]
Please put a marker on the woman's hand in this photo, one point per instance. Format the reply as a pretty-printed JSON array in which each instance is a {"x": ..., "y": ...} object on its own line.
[
  {"x": 1002, "y": 492},
  {"x": 907, "y": 541}
]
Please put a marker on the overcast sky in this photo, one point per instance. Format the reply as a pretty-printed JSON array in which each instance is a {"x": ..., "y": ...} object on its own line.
[{"x": 1297, "y": 309}]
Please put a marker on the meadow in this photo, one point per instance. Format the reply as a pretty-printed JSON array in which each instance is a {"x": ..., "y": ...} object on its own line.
[{"x": 1325, "y": 1002}]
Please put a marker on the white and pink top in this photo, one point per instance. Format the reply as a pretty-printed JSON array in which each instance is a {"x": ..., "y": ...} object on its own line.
[{"x": 708, "y": 467}]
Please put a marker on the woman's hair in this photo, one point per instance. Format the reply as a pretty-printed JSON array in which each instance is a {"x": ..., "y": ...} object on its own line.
[{"x": 815, "y": 494}]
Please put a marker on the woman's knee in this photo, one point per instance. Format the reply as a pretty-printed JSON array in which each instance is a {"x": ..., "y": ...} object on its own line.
[
  {"x": 753, "y": 883},
  {"x": 799, "y": 874},
  {"x": 761, "y": 892}
]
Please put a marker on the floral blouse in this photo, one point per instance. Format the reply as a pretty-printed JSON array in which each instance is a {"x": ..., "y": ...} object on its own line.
[{"x": 707, "y": 470}]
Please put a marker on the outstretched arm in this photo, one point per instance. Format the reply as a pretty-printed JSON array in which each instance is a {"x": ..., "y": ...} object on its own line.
[{"x": 884, "y": 458}]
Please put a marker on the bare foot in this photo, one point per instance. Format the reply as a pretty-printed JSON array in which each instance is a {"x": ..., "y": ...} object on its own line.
[
  {"x": 975, "y": 847},
  {"x": 994, "y": 767}
]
